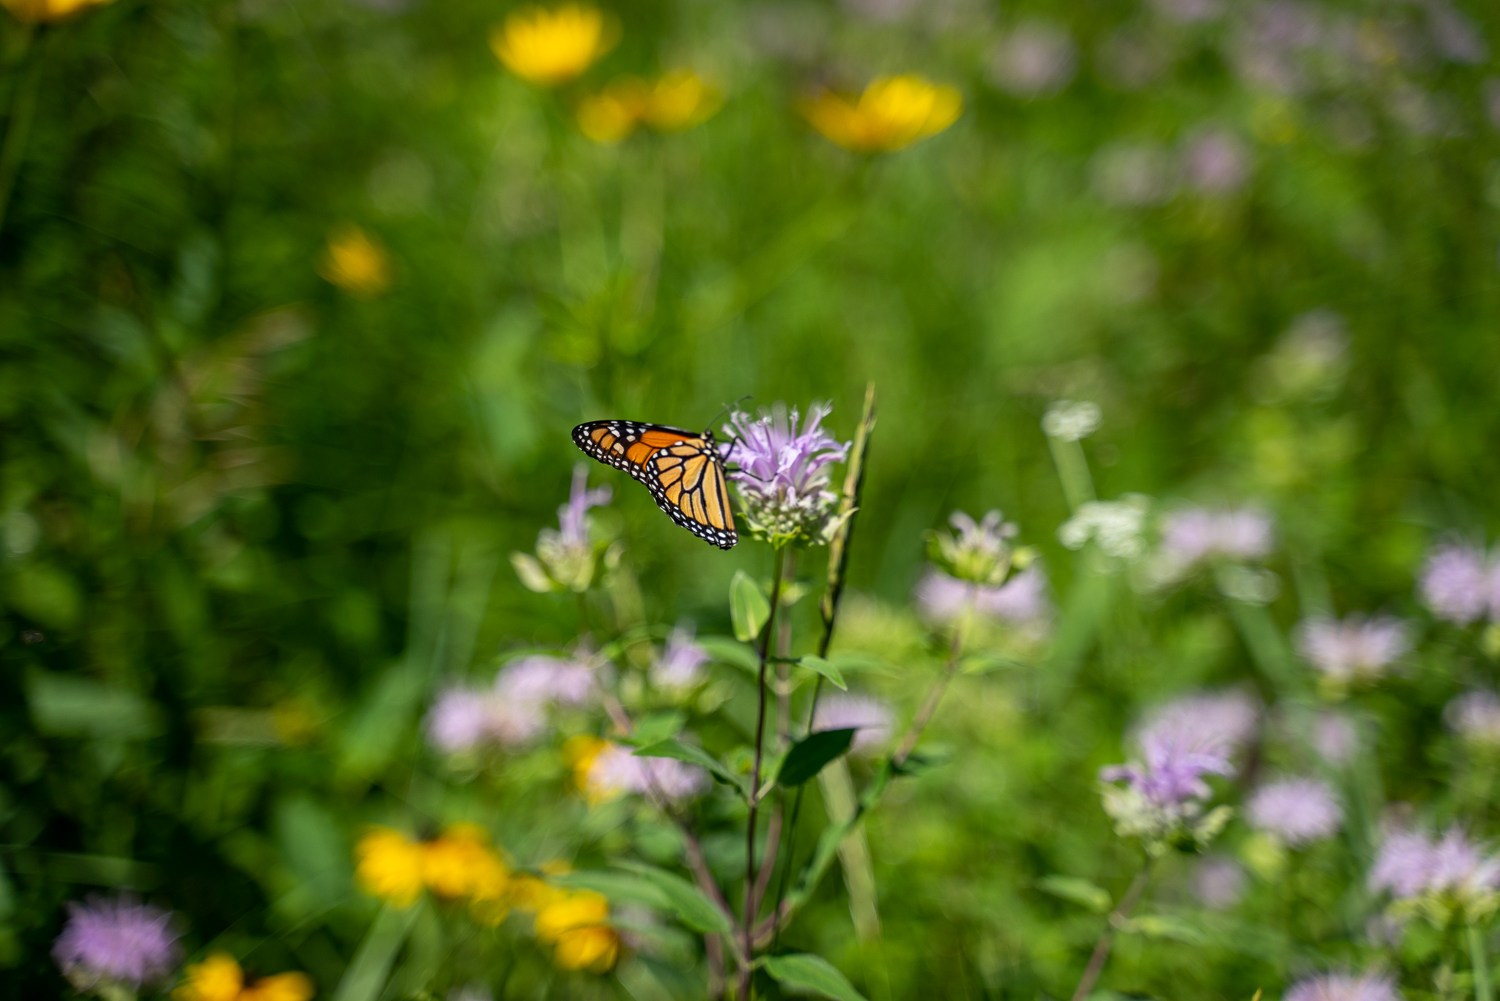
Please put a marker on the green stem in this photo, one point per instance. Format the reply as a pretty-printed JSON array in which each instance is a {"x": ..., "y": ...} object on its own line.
[
  {"x": 748, "y": 932},
  {"x": 18, "y": 121},
  {"x": 1106, "y": 941},
  {"x": 1072, "y": 470},
  {"x": 1480, "y": 958}
]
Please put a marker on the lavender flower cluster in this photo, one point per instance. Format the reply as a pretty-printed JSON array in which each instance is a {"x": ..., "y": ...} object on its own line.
[
  {"x": 512, "y": 711},
  {"x": 782, "y": 472}
]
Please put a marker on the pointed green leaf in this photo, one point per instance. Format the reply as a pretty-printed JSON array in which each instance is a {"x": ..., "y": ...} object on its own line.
[
  {"x": 683, "y": 899},
  {"x": 748, "y": 607},
  {"x": 679, "y": 751},
  {"x": 655, "y": 728},
  {"x": 370, "y": 968},
  {"x": 1079, "y": 891},
  {"x": 802, "y": 973},
  {"x": 809, "y": 755},
  {"x": 826, "y": 669}
]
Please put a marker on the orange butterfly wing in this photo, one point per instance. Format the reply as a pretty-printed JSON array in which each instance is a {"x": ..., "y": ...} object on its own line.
[{"x": 683, "y": 471}]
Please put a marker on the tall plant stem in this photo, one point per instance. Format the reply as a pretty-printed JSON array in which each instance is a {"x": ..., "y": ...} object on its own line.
[
  {"x": 764, "y": 655},
  {"x": 1480, "y": 959},
  {"x": 1107, "y": 940},
  {"x": 18, "y": 121}
]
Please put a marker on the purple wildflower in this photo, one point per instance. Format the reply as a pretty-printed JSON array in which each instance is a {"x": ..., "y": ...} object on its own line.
[
  {"x": 617, "y": 771},
  {"x": 1475, "y": 716},
  {"x": 1034, "y": 60},
  {"x": 511, "y": 712},
  {"x": 1216, "y": 162},
  {"x": 1335, "y": 737},
  {"x": 1344, "y": 987},
  {"x": 541, "y": 680},
  {"x": 978, "y": 552},
  {"x": 1171, "y": 771},
  {"x": 1411, "y": 864},
  {"x": 1218, "y": 882},
  {"x": 116, "y": 942},
  {"x": 869, "y": 714},
  {"x": 1021, "y": 601},
  {"x": 1299, "y": 811},
  {"x": 566, "y": 559},
  {"x": 1357, "y": 648},
  {"x": 572, "y": 516},
  {"x": 460, "y": 720},
  {"x": 783, "y": 471},
  {"x": 1223, "y": 721},
  {"x": 681, "y": 662},
  {"x": 1461, "y": 584},
  {"x": 1196, "y": 535}
]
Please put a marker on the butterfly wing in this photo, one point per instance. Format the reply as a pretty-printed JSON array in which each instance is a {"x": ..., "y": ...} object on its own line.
[{"x": 682, "y": 469}]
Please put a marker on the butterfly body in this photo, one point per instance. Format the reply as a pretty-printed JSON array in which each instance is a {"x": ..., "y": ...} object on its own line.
[{"x": 683, "y": 470}]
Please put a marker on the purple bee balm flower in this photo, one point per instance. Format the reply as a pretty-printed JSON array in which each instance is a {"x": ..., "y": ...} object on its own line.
[
  {"x": 572, "y": 517},
  {"x": 1344, "y": 987},
  {"x": 541, "y": 680},
  {"x": 1216, "y": 162},
  {"x": 1021, "y": 600},
  {"x": 1357, "y": 648},
  {"x": 617, "y": 771},
  {"x": 1298, "y": 811},
  {"x": 460, "y": 720},
  {"x": 1218, "y": 882},
  {"x": 1172, "y": 769},
  {"x": 681, "y": 662},
  {"x": 1335, "y": 737},
  {"x": 1475, "y": 716},
  {"x": 783, "y": 471},
  {"x": 870, "y": 715},
  {"x": 116, "y": 942},
  {"x": 1461, "y": 584},
  {"x": 1194, "y": 535},
  {"x": 1411, "y": 864},
  {"x": 1223, "y": 721},
  {"x": 565, "y": 558},
  {"x": 1034, "y": 60}
]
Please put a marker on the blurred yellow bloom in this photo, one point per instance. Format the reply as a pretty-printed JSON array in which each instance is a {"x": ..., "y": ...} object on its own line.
[
  {"x": 582, "y": 754},
  {"x": 577, "y": 926},
  {"x": 891, "y": 114},
  {"x": 552, "y": 46},
  {"x": 356, "y": 263},
  {"x": 219, "y": 978},
  {"x": 461, "y": 863},
  {"x": 391, "y": 865},
  {"x": 673, "y": 102},
  {"x": 40, "y": 11}
]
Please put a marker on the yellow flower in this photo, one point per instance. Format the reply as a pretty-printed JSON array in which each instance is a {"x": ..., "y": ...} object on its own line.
[
  {"x": 356, "y": 263},
  {"x": 577, "y": 926},
  {"x": 673, "y": 102},
  {"x": 219, "y": 978},
  {"x": 891, "y": 114},
  {"x": 583, "y": 754},
  {"x": 41, "y": 11},
  {"x": 391, "y": 865},
  {"x": 552, "y": 46}
]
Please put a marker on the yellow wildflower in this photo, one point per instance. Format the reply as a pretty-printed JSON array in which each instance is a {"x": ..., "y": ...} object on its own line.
[
  {"x": 577, "y": 926},
  {"x": 674, "y": 102},
  {"x": 356, "y": 263},
  {"x": 219, "y": 978},
  {"x": 583, "y": 755},
  {"x": 43, "y": 11},
  {"x": 390, "y": 865},
  {"x": 891, "y": 114},
  {"x": 552, "y": 46}
]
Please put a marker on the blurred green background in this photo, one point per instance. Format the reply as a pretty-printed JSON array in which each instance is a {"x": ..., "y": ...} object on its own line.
[{"x": 249, "y": 519}]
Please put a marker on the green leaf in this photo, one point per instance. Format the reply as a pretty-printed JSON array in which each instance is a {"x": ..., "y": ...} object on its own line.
[
  {"x": 679, "y": 751},
  {"x": 826, "y": 669},
  {"x": 68, "y": 706},
  {"x": 683, "y": 899},
  {"x": 731, "y": 652},
  {"x": 1167, "y": 927},
  {"x": 655, "y": 728},
  {"x": 619, "y": 887},
  {"x": 803, "y": 973},
  {"x": 368, "y": 971},
  {"x": 809, "y": 755},
  {"x": 748, "y": 607},
  {"x": 1079, "y": 891}
]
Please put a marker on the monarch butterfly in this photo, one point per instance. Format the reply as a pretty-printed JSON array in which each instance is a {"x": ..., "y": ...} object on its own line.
[{"x": 682, "y": 469}]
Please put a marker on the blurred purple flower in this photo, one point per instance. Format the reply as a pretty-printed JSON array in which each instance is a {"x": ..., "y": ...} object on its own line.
[
  {"x": 1133, "y": 175},
  {"x": 1022, "y": 600},
  {"x": 1218, "y": 882},
  {"x": 1492, "y": 100},
  {"x": 459, "y": 720},
  {"x": 617, "y": 770},
  {"x": 1454, "y": 36},
  {"x": 1196, "y": 534},
  {"x": 1172, "y": 769},
  {"x": 783, "y": 470},
  {"x": 1356, "y": 648},
  {"x": 1188, "y": 11},
  {"x": 1335, "y": 738},
  {"x": 1475, "y": 716},
  {"x": 871, "y": 715},
  {"x": 1410, "y": 864},
  {"x": 572, "y": 516},
  {"x": 1034, "y": 60},
  {"x": 681, "y": 662},
  {"x": 116, "y": 942},
  {"x": 1461, "y": 584},
  {"x": 1216, "y": 162},
  {"x": 566, "y": 558},
  {"x": 1225, "y": 722},
  {"x": 541, "y": 680},
  {"x": 1299, "y": 811},
  {"x": 1344, "y": 987}
]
